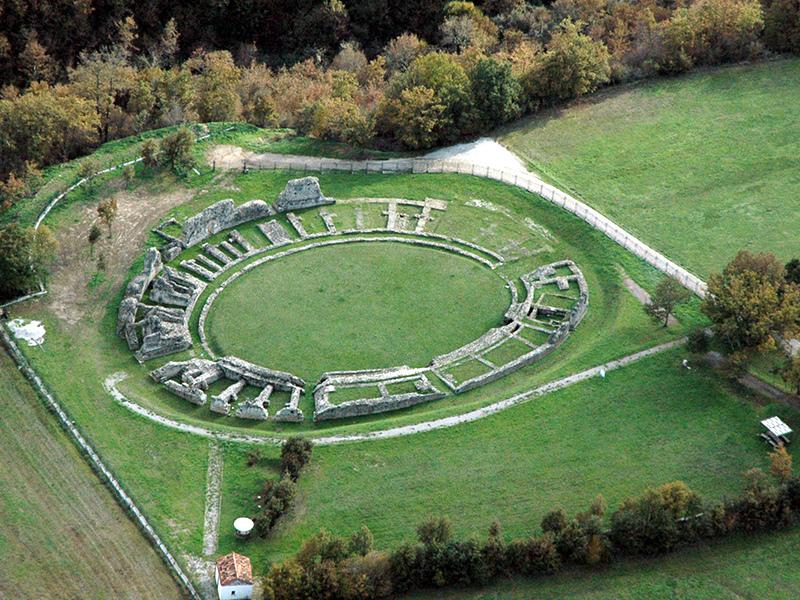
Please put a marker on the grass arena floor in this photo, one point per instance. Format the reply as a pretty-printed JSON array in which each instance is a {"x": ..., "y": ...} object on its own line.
[
  {"x": 356, "y": 306},
  {"x": 688, "y": 424}
]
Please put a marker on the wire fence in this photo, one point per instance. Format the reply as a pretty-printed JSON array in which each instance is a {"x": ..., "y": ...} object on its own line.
[{"x": 518, "y": 179}]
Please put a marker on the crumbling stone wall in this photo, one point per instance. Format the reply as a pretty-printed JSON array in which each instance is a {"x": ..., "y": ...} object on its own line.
[
  {"x": 299, "y": 194},
  {"x": 219, "y": 216},
  {"x": 325, "y": 410}
]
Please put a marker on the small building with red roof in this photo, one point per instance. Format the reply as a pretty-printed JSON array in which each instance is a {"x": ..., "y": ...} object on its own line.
[{"x": 234, "y": 577}]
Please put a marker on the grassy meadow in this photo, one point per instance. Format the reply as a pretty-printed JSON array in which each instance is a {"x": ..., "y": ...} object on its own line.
[
  {"x": 697, "y": 166},
  {"x": 62, "y": 533},
  {"x": 646, "y": 424}
]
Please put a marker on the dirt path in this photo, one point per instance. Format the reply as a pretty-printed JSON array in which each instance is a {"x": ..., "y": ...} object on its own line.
[
  {"x": 70, "y": 297},
  {"x": 753, "y": 383},
  {"x": 62, "y": 534}
]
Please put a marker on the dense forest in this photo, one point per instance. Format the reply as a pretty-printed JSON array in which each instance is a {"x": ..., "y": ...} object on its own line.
[{"x": 76, "y": 73}]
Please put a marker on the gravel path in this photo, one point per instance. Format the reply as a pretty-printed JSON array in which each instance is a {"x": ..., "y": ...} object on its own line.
[
  {"x": 213, "y": 498},
  {"x": 112, "y": 381}
]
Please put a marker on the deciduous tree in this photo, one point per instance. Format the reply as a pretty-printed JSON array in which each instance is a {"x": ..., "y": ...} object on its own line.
[
  {"x": 107, "y": 211},
  {"x": 25, "y": 256},
  {"x": 573, "y": 65},
  {"x": 751, "y": 303},
  {"x": 667, "y": 295}
]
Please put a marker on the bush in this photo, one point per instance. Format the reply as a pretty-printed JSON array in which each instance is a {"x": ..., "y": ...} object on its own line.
[
  {"x": 554, "y": 521},
  {"x": 762, "y": 506},
  {"x": 150, "y": 153},
  {"x": 25, "y": 257},
  {"x": 275, "y": 501},
  {"x": 698, "y": 341},
  {"x": 651, "y": 524},
  {"x": 295, "y": 454},
  {"x": 534, "y": 556}
]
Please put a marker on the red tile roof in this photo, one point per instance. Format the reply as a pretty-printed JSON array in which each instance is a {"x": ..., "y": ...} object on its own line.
[{"x": 234, "y": 569}]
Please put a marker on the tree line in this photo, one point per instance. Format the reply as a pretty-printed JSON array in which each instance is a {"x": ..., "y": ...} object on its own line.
[
  {"x": 661, "y": 520},
  {"x": 451, "y": 70}
]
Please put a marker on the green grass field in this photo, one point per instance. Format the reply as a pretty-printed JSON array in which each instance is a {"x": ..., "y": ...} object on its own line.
[
  {"x": 647, "y": 424},
  {"x": 697, "y": 166},
  {"x": 62, "y": 534},
  {"x": 359, "y": 306}
]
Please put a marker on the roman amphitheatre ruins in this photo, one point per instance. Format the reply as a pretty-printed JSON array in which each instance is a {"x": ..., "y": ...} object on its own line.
[{"x": 398, "y": 313}]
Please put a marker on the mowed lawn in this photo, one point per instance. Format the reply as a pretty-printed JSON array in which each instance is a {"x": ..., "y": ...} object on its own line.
[
  {"x": 644, "y": 425},
  {"x": 697, "y": 166},
  {"x": 62, "y": 534},
  {"x": 356, "y": 306},
  {"x": 762, "y": 566}
]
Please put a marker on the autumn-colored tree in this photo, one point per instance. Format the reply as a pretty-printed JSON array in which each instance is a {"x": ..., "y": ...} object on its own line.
[
  {"x": 350, "y": 58},
  {"x": 25, "y": 256},
  {"x": 572, "y": 65},
  {"x": 667, "y": 295},
  {"x": 12, "y": 190},
  {"x": 751, "y": 303},
  {"x": 780, "y": 463},
  {"x": 107, "y": 211},
  {"x": 725, "y": 30},
  {"x": 215, "y": 85},
  {"x": 414, "y": 117},
  {"x": 176, "y": 150},
  {"x": 401, "y": 52},
  {"x": 45, "y": 125},
  {"x": 35, "y": 64},
  {"x": 104, "y": 77}
]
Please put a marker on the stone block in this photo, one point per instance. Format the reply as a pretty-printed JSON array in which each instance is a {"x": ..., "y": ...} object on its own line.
[{"x": 299, "y": 194}]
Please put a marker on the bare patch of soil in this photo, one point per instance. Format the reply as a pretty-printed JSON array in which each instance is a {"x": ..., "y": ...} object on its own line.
[{"x": 70, "y": 295}]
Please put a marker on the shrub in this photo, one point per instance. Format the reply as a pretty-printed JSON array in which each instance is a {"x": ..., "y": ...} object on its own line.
[
  {"x": 698, "y": 341},
  {"x": 534, "y": 556},
  {"x": 651, "y": 524},
  {"x": 554, "y": 521},
  {"x": 782, "y": 25},
  {"x": 762, "y": 506},
  {"x": 295, "y": 454},
  {"x": 275, "y": 501},
  {"x": 150, "y": 153}
]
